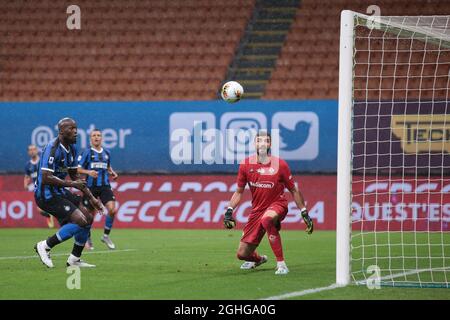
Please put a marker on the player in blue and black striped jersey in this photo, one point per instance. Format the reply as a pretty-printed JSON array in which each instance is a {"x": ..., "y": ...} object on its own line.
[
  {"x": 59, "y": 159},
  {"x": 95, "y": 162},
  {"x": 31, "y": 170}
]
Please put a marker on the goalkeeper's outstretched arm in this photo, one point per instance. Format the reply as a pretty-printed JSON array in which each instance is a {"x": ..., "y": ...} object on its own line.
[
  {"x": 236, "y": 198},
  {"x": 300, "y": 202},
  {"x": 228, "y": 220},
  {"x": 298, "y": 198}
]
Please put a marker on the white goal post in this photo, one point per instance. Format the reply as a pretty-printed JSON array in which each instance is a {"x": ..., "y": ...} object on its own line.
[{"x": 393, "y": 171}]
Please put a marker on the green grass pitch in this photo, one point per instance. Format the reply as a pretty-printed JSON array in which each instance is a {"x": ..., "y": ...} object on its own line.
[{"x": 180, "y": 264}]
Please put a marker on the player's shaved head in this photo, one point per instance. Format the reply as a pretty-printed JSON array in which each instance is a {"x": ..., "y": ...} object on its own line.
[
  {"x": 65, "y": 121},
  {"x": 67, "y": 128}
]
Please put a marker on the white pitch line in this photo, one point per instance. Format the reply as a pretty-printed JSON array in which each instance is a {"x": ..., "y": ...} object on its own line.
[
  {"x": 335, "y": 286},
  {"x": 302, "y": 293},
  {"x": 65, "y": 254}
]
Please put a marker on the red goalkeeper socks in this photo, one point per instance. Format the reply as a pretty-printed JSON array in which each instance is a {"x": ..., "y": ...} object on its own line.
[{"x": 274, "y": 237}]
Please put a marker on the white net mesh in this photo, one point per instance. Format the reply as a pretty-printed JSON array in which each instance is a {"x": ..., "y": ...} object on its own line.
[{"x": 401, "y": 150}]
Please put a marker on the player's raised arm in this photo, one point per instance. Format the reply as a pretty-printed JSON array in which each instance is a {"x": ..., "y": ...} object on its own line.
[
  {"x": 113, "y": 174},
  {"x": 228, "y": 220},
  {"x": 26, "y": 178},
  {"x": 298, "y": 197},
  {"x": 300, "y": 202},
  {"x": 49, "y": 179},
  {"x": 111, "y": 171},
  {"x": 236, "y": 198},
  {"x": 26, "y": 181},
  {"x": 91, "y": 173},
  {"x": 74, "y": 175},
  {"x": 76, "y": 179},
  {"x": 82, "y": 165}
]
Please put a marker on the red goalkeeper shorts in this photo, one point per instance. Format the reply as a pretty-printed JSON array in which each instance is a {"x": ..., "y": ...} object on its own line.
[{"x": 253, "y": 230}]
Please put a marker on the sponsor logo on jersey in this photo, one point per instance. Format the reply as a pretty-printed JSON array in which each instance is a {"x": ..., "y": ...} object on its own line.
[
  {"x": 99, "y": 165},
  {"x": 263, "y": 184}
]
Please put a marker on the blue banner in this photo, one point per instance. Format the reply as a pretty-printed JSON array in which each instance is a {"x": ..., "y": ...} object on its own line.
[{"x": 179, "y": 137}]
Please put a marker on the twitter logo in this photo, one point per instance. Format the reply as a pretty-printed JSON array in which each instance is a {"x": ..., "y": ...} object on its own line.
[
  {"x": 298, "y": 134},
  {"x": 294, "y": 139}
]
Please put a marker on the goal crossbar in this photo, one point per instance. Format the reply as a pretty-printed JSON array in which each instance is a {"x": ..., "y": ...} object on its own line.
[{"x": 411, "y": 26}]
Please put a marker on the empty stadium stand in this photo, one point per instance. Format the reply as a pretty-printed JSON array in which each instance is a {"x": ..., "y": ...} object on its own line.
[
  {"x": 308, "y": 66},
  {"x": 174, "y": 49},
  {"x": 125, "y": 50}
]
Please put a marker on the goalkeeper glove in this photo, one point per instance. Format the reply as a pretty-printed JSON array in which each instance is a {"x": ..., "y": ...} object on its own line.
[
  {"x": 228, "y": 220},
  {"x": 308, "y": 221}
]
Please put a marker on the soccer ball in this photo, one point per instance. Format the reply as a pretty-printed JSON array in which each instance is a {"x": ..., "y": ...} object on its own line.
[{"x": 232, "y": 91}]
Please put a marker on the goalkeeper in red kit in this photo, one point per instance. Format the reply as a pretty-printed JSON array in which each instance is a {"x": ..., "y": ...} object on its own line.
[{"x": 267, "y": 177}]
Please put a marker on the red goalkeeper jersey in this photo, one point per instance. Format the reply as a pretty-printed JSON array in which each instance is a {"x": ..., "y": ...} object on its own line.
[{"x": 266, "y": 181}]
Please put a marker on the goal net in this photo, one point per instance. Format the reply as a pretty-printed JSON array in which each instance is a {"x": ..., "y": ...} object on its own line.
[{"x": 394, "y": 151}]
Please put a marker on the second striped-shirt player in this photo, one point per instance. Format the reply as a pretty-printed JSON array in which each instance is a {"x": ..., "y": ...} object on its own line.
[{"x": 95, "y": 162}]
